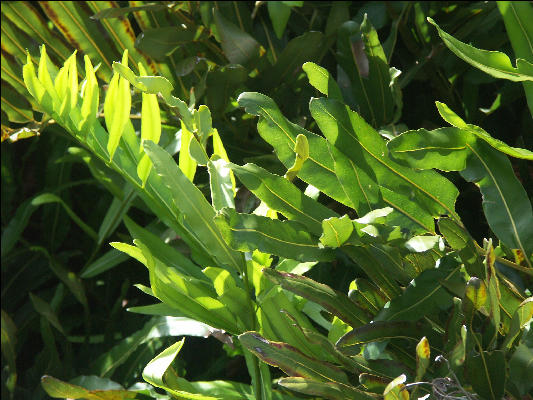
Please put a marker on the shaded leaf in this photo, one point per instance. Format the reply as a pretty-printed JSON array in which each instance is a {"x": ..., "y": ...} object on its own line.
[
  {"x": 163, "y": 41},
  {"x": 332, "y": 300},
  {"x": 239, "y": 47},
  {"x": 327, "y": 390},
  {"x": 485, "y": 373},
  {"x": 290, "y": 360},
  {"x": 425, "y": 295}
]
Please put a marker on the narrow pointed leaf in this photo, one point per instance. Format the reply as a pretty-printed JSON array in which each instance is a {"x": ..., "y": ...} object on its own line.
[
  {"x": 335, "y": 302},
  {"x": 380, "y": 331},
  {"x": 80, "y": 31},
  {"x": 192, "y": 203},
  {"x": 425, "y": 295},
  {"x": 453, "y": 119},
  {"x": 290, "y": 360},
  {"x": 246, "y": 232},
  {"x": 505, "y": 202},
  {"x": 327, "y": 390},
  {"x": 494, "y": 63}
]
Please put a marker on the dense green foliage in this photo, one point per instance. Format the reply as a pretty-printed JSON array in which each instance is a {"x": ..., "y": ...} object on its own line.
[{"x": 357, "y": 260}]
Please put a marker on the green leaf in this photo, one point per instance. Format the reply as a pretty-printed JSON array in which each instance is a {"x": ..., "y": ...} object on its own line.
[
  {"x": 485, "y": 373},
  {"x": 9, "y": 341},
  {"x": 121, "y": 11},
  {"x": 419, "y": 244},
  {"x": 46, "y": 310},
  {"x": 197, "y": 152},
  {"x": 361, "y": 56},
  {"x": 521, "y": 318},
  {"x": 157, "y": 327},
  {"x": 443, "y": 148},
  {"x": 246, "y": 232},
  {"x": 494, "y": 63},
  {"x": 425, "y": 295},
  {"x": 195, "y": 298},
  {"x": 109, "y": 260},
  {"x": 220, "y": 151},
  {"x": 232, "y": 296},
  {"x": 327, "y": 390},
  {"x": 521, "y": 369},
  {"x": 166, "y": 253},
  {"x": 345, "y": 129},
  {"x": 516, "y": 16},
  {"x": 186, "y": 163},
  {"x": 505, "y": 202},
  {"x": 117, "y": 108},
  {"x": 280, "y": 133},
  {"x": 76, "y": 26},
  {"x": 380, "y": 331},
  {"x": 239, "y": 47},
  {"x": 163, "y": 41},
  {"x": 279, "y": 15},
  {"x": 282, "y": 320},
  {"x": 367, "y": 295},
  {"x": 190, "y": 201},
  {"x": 28, "y": 18},
  {"x": 91, "y": 98},
  {"x": 150, "y": 130},
  {"x": 321, "y": 80},
  {"x": 69, "y": 278},
  {"x": 20, "y": 220},
  {"x": 220, "y": 183},
  {"x": 290, "y": 360},
  {"x": 459, "y": 239},
  {"x": 332, "y": 300},
  {"x": 453, "y": 119},
  {"x": 281, "y": 195},
  {"x": 155, "y": 370},
  {"x": 17, "y": 108},
  {"x": 336, "y": 231},
  {"x": 156, "y": 85},
  {"x": 308, "y": 47}
]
